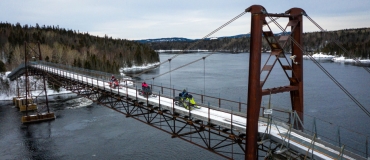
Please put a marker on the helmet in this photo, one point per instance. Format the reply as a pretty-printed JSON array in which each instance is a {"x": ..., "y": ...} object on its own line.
[{"x": 184, "y": 90}]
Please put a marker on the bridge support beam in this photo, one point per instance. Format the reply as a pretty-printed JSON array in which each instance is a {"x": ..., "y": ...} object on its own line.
[
  {"x": 254, "y": 86},
  {"x": 255, "y": 92},
  {"x": 296, "y": 96}
]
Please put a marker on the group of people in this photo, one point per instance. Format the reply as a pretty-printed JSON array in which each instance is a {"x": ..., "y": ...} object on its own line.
[
  {"x": 185, "y": 99},
  {"x": 114, "y": 83}
]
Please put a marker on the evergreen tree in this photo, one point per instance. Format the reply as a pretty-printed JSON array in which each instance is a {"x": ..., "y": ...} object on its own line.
[
  {"x": 138, "y": 57},
  {"x": 2, "y": 67}
]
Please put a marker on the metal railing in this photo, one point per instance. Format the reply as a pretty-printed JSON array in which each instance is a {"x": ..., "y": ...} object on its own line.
[
  {"x": 345, "y": 139},
  {"x": 352, "y": 141}
]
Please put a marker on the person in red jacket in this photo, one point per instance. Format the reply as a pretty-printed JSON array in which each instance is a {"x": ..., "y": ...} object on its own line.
[{"x": 144, "y": 85}]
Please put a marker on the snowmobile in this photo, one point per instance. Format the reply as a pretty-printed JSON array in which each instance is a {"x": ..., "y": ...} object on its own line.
[
  {"x": 114, "y": 84},
  {"x": 146, "y": 92},
  {"x": 187, "y": 101}
]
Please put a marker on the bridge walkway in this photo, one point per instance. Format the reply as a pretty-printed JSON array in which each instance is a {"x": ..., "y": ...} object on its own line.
[{"x": 270, "y": 130}]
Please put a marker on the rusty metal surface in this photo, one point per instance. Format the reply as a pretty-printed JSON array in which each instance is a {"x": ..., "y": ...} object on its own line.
[
  {"x": 254, "y": 86},
  {"x": 297, "y": 72},
  {"x": 255, "y": 91},
  {"x": 204, "y": 134},
  {"x": 281, "y": 89}
]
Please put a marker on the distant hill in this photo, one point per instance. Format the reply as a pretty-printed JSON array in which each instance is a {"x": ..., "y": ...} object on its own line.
[
  {"x": 180, "y": 39},
  {"x": 356, "y": 41},
  {"x": 173, "y": 39}
]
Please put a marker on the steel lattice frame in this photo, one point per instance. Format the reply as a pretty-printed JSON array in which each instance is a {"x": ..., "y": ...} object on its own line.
[{"x": 221, "y": 141}]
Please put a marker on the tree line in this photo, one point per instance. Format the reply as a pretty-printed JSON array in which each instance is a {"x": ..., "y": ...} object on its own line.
[
  {"x": 355, "y": 41},
  {"x": 71, "y": 47}
]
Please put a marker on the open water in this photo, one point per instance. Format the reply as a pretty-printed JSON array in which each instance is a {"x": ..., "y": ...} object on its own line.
[{"x": 89, "y": 131}]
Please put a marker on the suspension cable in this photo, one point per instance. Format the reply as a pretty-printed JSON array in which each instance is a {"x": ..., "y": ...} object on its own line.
[
  {"x": 193, "y": 61},
  {"x": 202, "y": 57},
  {"x": 208, "y": 35},
  {"x": 184, "y": 65},
  {"x": 284, "y": 32},
  {"x": 169, "y": 61},
  {"x": 339, "y": 85},
  {"x": 204, "y": 75},
  {"x": 199, "y": 58},
  {"x": 336, "y": 42},
  {"x": 328, "y": 74}
]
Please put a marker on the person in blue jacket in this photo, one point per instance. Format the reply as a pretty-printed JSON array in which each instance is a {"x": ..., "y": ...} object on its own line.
[{"x": 184, "y": 94}]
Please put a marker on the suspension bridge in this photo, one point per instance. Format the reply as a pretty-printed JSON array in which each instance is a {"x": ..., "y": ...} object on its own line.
[{"x": 250, "y": 134}]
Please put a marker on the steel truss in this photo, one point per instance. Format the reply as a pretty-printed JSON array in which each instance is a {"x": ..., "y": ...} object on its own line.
[
  {"x": 226, "y": 142},
  {"x": 222, "y": 141}
]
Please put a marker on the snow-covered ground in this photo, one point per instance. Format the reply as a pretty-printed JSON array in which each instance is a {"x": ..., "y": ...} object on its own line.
[
  {"x": 9, "y": 88},
  {"x": 135, "y": 69}
]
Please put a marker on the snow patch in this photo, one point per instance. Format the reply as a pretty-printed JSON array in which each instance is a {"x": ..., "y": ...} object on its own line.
[
  {"x": 134, "y": 69},
  {"x": 6, "y": 95}
]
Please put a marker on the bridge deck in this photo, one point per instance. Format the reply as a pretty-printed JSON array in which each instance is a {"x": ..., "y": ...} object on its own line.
[{"x": 279, "y": 131}]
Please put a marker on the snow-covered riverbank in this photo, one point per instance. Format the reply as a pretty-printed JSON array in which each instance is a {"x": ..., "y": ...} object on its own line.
[
  {"x": 137, "y": 69},
  {"x": 8, "y": 89}
]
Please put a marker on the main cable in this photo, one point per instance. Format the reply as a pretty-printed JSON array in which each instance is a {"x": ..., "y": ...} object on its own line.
[
  {"x": 213, "y": 32},
  {"x": 336, "y": 42},
  {"x": 328, "y": 74},
  {"x": 200, "y": 58}
]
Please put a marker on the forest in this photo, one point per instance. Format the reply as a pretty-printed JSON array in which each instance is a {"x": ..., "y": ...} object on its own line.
[
  {"x": 355, "y": 41},
  {"x": 71, "y": 47}
]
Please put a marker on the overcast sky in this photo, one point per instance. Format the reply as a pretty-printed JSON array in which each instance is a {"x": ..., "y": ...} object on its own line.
[{"x": 145, "y": 19}]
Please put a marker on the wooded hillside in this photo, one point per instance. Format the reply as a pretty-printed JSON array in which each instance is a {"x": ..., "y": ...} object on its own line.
[
  {"x": 356, "y": 41},
  {"x": 71, "y": 47}
]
